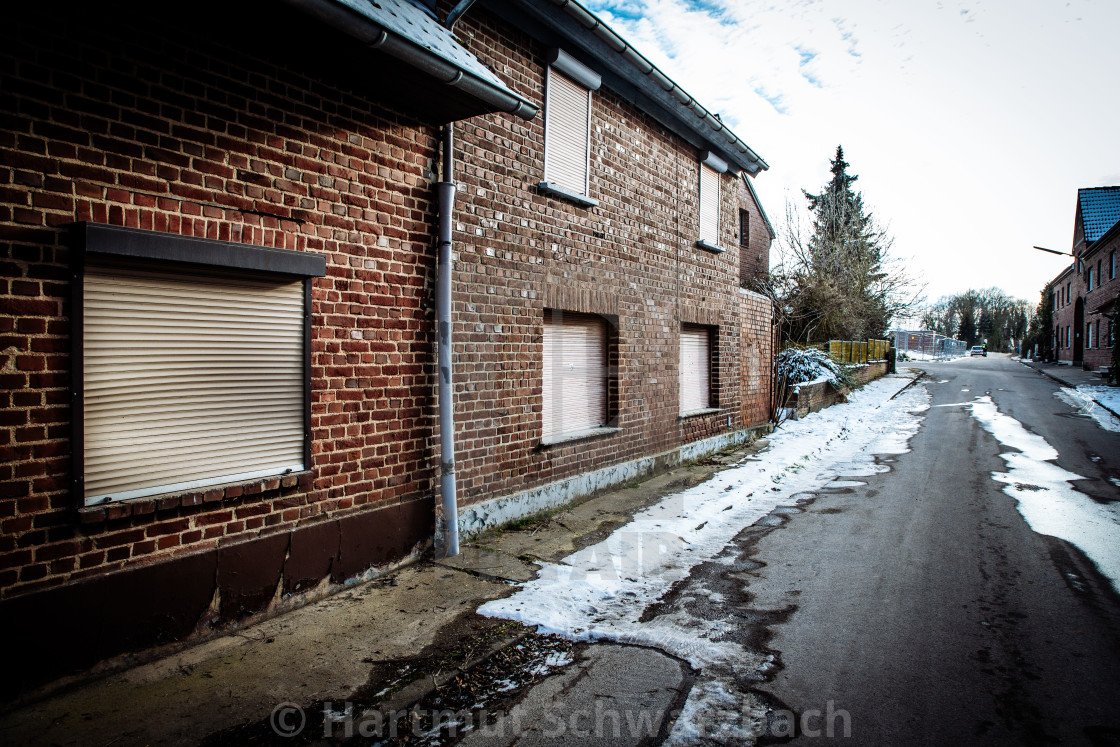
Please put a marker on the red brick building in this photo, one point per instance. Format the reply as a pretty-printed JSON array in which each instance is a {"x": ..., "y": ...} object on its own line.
[
  {"x": 1086, "y": 292},
  {"x": 218, "y": 318}
]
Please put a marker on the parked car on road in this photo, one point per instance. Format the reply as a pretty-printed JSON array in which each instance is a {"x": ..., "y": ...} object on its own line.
[{"x": 978, "y": 350}]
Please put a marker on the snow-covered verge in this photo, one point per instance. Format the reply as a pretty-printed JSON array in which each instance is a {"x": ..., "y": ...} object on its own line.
[
  {"x": 1088, "y": 399},
  {"x": 1045, "y": 493},
  {"x": 601, "y": 592}
]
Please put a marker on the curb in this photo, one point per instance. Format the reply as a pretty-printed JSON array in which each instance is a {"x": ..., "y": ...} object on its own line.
[{"x": 1071, "y": 385}]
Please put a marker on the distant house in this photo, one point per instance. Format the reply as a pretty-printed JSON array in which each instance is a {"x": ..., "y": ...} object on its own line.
[
  {"x": 1085, "y": 293},
  {"x": 218, "y": 316}
]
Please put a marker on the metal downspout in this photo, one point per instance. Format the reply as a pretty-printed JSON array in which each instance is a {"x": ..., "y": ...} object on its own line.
[{"x": 446, "y": 194}]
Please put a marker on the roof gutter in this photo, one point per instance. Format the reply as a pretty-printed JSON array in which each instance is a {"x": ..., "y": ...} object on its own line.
[
  {"x": 374, "y": 36},
  {"x": 586, "y": 19}
]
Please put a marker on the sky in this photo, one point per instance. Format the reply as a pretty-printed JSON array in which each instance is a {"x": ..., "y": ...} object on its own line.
[{"x": 971, "y": 125}]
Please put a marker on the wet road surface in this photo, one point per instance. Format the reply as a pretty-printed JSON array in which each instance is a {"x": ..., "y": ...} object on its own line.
[{"x": 926, "y": 610}]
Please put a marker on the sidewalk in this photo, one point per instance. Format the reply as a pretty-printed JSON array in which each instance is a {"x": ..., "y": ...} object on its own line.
[
  {"x": 1074, "y": 377},
  {"x": 408, "y": 640}
]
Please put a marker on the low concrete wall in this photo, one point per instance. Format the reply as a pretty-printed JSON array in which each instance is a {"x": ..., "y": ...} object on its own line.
[
  {"x": 814, "y": 397},
  {"x": 477, "y": 518}
]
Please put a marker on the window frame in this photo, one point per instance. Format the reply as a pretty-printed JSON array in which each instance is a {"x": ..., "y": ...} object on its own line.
[{"x": 105, "y": 245}]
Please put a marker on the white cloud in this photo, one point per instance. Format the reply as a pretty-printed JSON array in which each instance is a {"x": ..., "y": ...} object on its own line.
[{"x": 971, "y": 124}]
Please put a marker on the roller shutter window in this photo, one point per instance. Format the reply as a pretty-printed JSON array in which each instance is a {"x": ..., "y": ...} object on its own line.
[
  {"x": 575, "y": 374},
  {"x": 190, "y": 380},
  {"x": 709, "y": 205},
  {"x": 567, "y": 133},
  {"x": 695, "y": 368}
]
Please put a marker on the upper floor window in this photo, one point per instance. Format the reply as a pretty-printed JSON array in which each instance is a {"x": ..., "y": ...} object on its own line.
[
  {"x": 1090, "y": 278},
  {"x": 744, "y": 228},
  {"x": 567, "y": 127},
  {"x": 711, "y": 167},
  {"x": 1112, "y": 266}
]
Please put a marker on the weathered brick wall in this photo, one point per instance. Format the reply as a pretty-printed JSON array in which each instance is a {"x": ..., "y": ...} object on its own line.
[
  {"x": 1101, "y": 355},
  {"x": 1063, "y": 314},
  {"x": 204, "y": 131},
  {"x": 754, "y": 258},
  {"x": 632, "y": 257},
  {"x": 756, "y": 371},
  {"x": 103, "y": 122},
  {"x": 814, "y": 397}
]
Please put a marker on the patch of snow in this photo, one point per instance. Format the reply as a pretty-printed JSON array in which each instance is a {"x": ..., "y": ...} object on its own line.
[
  {"x": 1045, "y": 494},
  {"x": 600, "y": 592},
  {"x": 1088, "y": 400}
]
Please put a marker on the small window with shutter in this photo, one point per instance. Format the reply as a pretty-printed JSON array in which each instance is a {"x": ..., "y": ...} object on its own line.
[
  {"x": 567, "y": 124},
  {"x": 567, "y": 128},
  {"x": 194, "y": 363},
  {"x": 709, "y": 205},
  {"x": 711, "y": 169},
  {"x": 577, "y": 385},
  {"x": 695, "y": 368}
]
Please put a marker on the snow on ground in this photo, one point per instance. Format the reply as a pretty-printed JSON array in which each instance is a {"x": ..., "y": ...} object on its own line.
[
  {"x": 1045, "y": 493},
  {"x": 600, "y": 592},
  {"x": 1088, "y": 399}
]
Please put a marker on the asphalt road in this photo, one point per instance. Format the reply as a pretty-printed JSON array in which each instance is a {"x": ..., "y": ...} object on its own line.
[{"x": 926, "y": 610}]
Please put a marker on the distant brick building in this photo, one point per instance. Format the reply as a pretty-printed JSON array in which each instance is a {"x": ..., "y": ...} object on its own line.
[
  {"x": 217, "y": 323},
  {"x": 1086, "y": 292}
]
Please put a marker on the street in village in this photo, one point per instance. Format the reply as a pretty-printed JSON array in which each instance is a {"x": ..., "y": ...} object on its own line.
[{"x": 934, "y": 562}]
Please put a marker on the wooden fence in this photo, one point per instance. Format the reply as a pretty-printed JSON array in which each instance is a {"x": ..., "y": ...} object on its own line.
[{"x": 850, "y": 351}]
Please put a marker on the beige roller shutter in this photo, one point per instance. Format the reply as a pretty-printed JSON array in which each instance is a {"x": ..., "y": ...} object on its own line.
[
  {"x": 190, "y": 380},
  {"x": 575, "y": 373},
  {"x": 567, "y": 130},
  {"x": 695, "y": 370},
  {"x": 709, "y": 205}
]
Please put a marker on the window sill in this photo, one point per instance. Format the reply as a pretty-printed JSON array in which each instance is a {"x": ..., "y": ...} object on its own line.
[
  {"x": 709, "y": 247},
  {"x": 185, "y": 499},
  {"x": 564, "y": 438},
  {"x": 698, "y": 413},
  {"x": 556, "y": 191}
]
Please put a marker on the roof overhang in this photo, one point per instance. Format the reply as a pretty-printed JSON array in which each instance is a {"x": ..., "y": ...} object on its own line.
[
  {"x": 411, "y": 33},
  {"x": 570, "y": 26}
]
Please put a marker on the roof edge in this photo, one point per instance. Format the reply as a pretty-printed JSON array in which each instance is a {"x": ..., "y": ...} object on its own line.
[
  {"x": 742, "y": 155},
  {"x": 374, "y": 36},
  {"x": 758, "y": 204}
]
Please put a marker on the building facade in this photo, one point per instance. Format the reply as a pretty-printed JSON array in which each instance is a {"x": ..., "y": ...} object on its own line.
[
  {"x": 1086, "y": 292},
  {"x": 218, "y": 323}
]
